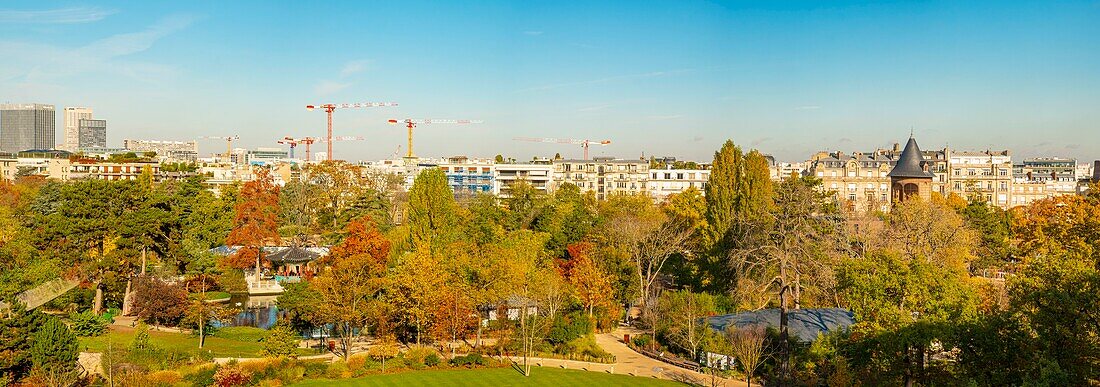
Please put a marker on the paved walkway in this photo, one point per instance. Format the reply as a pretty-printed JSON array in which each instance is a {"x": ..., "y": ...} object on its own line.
[{"x": 631, "y": 362}]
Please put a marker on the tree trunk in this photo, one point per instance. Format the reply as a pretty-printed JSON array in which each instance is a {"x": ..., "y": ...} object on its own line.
[
  {"x": 202, "y": 338},
  {"x": 97, "y": 308},
  {"x": 784, "y": 334},
  {"x": 143, "y": 261},
  {"x": 127, "y": 300}
]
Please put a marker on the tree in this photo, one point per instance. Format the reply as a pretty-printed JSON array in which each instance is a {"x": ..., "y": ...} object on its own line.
[
  {"x": 159, "y": 302},
  {"x": 256, "y": 219},
  {"x": 775, "y": 254},
  {"x": 351, "y": 286},
  {"x": 683, "y": 314},
  {"x": 526, "y": 271},
  {"x": 747, "y": 345},
  {"x": 281, "y": 341},
  {"x": 54, "y": 348},
  {"x": 647, "y": 238},
  {"x": 591, "y": 286},
  {"x": 1057, "y": 296},
  {"x": 201, "y": 316},
  {"x": 339, "y": 183},
  {"x": 17, "y": 325},
  {"x": 433, "y": 212},
  {"x": 454, "y": 313},
  {"x": 418, "y": 286}
]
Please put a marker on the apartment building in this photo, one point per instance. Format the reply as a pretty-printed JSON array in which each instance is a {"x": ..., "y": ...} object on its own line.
[
  {"x": 94, "y": 169},
  {"x": 469, "y": 176},
  {"x": 539, "y": 176},
  {"x": 52, "y": 164},
  {"x": 8, "y": 169},
  {"x": 986, "y": 175},
  {"x": 1041, "y": 178},
  {"x": 174, "y": 151},
  {"x": 859, "y": 181},
  {"x": 603, "y": 175},
  {"x": 665, "y": 182}
]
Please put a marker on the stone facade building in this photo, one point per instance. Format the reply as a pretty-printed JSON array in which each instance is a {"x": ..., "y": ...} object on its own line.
[{"x": 603, "y": 175}]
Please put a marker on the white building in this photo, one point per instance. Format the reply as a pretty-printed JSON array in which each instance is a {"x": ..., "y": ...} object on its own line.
[
  {"x": 185, "y": 151},
  {"x": 72, "y": 118},
  {"x": 8, "y": 168},
  {"x": 539, "y": 176},
  {"x": 603, "y": 175},
  {"x": 665, "y": 182}
]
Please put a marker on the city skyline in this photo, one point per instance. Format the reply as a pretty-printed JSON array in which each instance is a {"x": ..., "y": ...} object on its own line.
[{"x": 673, "y": 79}]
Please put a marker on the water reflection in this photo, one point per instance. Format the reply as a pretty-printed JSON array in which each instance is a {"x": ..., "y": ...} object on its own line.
[{"x": 255, "y": 311}]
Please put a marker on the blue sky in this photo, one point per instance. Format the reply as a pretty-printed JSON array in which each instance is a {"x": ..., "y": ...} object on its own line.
[{"x": 664, "y": 78}]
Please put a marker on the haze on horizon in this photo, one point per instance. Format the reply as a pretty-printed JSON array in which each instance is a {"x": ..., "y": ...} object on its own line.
[{"x": 663, "y": 78}]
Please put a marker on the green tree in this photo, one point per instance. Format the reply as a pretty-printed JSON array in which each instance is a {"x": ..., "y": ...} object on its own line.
[
  {"x": 433, "y": 213},
  {"x": 683, "y": 315},
  {"x": 54, "y": 348},
  {"x": 17, "y": 325},
  {"x": 281, "y": 341}
]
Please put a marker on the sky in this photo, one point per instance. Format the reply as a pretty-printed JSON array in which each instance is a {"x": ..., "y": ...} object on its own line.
[{"x": 673, "y": 78}]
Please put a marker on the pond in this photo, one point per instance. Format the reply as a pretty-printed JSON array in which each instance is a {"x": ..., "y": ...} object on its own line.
[{"x": 256, "y": 311}]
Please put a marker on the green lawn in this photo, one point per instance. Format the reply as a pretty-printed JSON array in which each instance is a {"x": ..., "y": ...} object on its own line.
[
  {"x": 494, "y": 377},
  {"x": 238, "y": 345}
]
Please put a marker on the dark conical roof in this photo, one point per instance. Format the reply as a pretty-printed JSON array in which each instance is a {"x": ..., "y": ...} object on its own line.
[{"x": 910, "y": 162}]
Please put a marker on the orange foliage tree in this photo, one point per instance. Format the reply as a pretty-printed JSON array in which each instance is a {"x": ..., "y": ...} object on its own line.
[
  {"x": 255, "y": 222},
  {"x": 351, "y": 285},
  {"x": 591, "y": 285}
]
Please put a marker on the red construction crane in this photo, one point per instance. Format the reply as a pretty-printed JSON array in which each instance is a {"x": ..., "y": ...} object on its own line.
[
  {"x": 583, "y": 143},
  {"x": 293, "y": 142},
  {"x": 331, "y": 107},
  {"x": 412, "y": 123},
  {"x": 228, "y": 142}
]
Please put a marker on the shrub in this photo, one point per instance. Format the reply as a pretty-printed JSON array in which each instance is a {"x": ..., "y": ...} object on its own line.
[
  {"x": 231, "y": 375},
  {"x": 164, "y": 378},
  {"x": 641, "y": 341},
  {"x": 293, "y": 374},
  {"x": 203, "y": 377},
  {"x": 54, "y": 347},
  {"x": 315, "y": 369},
  {"x": 470, "y": 360},
  {"x": 337, "y": 370},
  {"x": 141, "y": 338},
  {"x": 87, "y": 324},
  {"x": 569, "y": 327},
  {"x": 431, "y": 360},
  {"x": 417, "y": 357},
  {"x": 282, "y": 341}
]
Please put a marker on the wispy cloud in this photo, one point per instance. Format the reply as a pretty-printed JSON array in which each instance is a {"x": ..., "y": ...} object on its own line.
[
  {"x": 664, "y": 117},
  {"x": 329, "y": 87},
  {"x": 809, "y": 107},
  {"x": 33, "y": 63},
  {"x": 354, "y": 67},
  {"x": 697, "y": 139},
  {"x": 760, "y": 141},
  {"x": 618, "y": 78},
  {"x": 532, "y": 33},
  {"x": 73, "y": 15},
  {"x": 593, "y": 108}
]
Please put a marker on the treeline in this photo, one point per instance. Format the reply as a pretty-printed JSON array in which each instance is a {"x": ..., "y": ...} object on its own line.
[{"x": 946, "y": 292}]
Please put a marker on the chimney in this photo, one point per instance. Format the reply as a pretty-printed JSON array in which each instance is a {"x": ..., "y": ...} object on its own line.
[{"x": 897, "y": 147}]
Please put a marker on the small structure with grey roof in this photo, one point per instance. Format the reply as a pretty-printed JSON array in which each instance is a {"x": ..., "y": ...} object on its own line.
[{"x": 910, "y": 178}]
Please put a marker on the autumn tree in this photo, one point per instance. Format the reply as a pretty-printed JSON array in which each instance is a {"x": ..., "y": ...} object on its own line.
[
  {"x": 591, "y": 286},
  {"x": 351, "y": 286},
  {"x": 157, "y": 301},
  {"x": 526, "y": 269},
  {"x": 454, "y": 313},
  {"x": 683, "y": 315},
  {"x": 338, "y": 185},
  {"x": 747, "y": 345},
  {"x": 418, "y": 285},
  {"x": 256, "y": 220}
]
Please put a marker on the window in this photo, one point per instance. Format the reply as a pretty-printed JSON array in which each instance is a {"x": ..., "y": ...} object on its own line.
[
  {"x": 1004, "y": 185},
  {"x": 680, "y": 176}
]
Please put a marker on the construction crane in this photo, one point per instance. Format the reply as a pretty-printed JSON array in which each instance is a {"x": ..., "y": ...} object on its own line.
[
  {"x": 583, "y": 143},
  {"x": 228, "y": 142},
  {"x": 331, "y": 107},
  {"x": 294, "y": 142},
  {"x": 411, "y": 123}
]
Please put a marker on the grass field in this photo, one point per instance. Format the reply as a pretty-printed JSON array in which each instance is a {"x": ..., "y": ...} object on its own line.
[
  {"x": 494, "y": 377},
  {"x": 240, "y": 343}
]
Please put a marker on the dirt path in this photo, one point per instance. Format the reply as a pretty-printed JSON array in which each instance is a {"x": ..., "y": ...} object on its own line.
[{"x": 627, "y": 361}]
